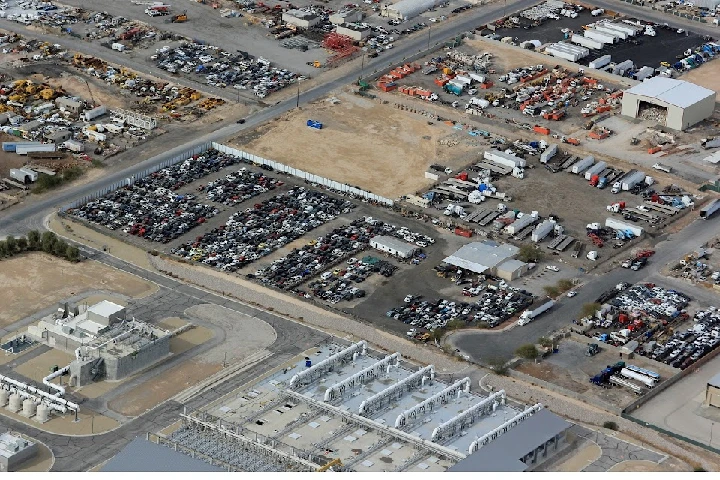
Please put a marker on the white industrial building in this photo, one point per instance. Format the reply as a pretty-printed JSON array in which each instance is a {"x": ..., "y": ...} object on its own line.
[
  {"x": 353, "y": 31},
  {"x": 407, "y": 9},
  {"x": 347, "y": 16},
  {"x": 686, "y": 103},
  {"x": 15, "y": 450},
  {"x": 350, "y": 409},
  {"x": 489, "y": 258},
  {"x": 393, "y": 246},
  {"x": 300, "y": 18}
]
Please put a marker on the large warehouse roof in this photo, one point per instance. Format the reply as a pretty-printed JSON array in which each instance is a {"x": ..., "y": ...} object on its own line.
[
  {"x": 675, "y": 92},
  {"x": 504, "y": 453},
  {"x": 715, "y": 381},
  {"x": 481, "y": 256},
  {"x": 411, "y": 8}
]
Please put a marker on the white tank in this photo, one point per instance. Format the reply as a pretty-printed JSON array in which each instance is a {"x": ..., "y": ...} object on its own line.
[
  {"x": 4, "y": 395},
  {"x": 15, "y": 403},
  {"x": 43, "y": 413},
  {"x": 29, "y": 408}
]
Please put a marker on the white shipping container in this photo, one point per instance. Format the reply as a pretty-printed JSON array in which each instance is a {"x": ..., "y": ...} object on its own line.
[
  {"x": 587, "y": 42},
  {"x": 542, "y": 231},
  {"x": 595, "y": 170},
  {"x": 600, "y": 36},
  {"x": 600, "y": 62},
  {"x": 620, "y": 225},
  {"x": 582, "y": 165}
]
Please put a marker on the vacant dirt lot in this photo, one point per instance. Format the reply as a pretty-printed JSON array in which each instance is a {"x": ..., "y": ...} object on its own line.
[
  {"x": 33, "y": 282},
  {"x": 9, "y": 160},
  {"x": 39, "y": 367},
  {"x": 707, "y": 76},
  {"x": 149, "y": 394},
  {"x": 387, "y": 152}
]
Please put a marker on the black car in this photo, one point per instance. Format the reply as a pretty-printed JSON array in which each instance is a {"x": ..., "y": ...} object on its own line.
[
  {"x": 266, "y": 167},
  {"x": 241, "y": 121}
]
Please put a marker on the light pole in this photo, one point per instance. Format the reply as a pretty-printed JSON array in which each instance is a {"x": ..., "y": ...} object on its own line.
[
  {"x": 429, "y": 30},
  {"x": 712, "y": 424},
  {"x": 297, "y": 99},
  {"x": 362, "y": 67}
]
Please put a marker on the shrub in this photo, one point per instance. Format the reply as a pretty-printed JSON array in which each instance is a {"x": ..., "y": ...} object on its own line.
[
  {"x": 611, "y": 426},
  {"x": 545, "y": 342},
  {"x": 551, "y": 291},
  {"x": 528, "y": 351}
]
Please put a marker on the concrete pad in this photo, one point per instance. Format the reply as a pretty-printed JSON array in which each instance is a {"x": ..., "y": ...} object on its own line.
[{"x": 584, "y": 457}]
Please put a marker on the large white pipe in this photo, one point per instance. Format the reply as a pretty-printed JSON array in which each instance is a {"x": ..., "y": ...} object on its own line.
[
  {"x": 27, "y": 388},
  {"x": 78, "y": 351},
  {"x": 60, "y": 389}
]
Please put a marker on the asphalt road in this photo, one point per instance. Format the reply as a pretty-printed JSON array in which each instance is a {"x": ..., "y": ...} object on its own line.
[
  {"x": 19, "y": 220},
  {"x": 484, "y": 346},
  {"x": 646, "y": 13}
]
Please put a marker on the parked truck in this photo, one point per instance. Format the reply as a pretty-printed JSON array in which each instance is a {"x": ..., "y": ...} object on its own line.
[
  {"x": 647, "y": 381},
  {"x": 529, "y": 315},
  {"x": 710, "y": 208}
]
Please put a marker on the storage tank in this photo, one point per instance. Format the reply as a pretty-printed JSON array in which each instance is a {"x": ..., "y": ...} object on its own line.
[
  {"x": 587, "y": 42},
  {"x": 582, "y": 165},
  {"x": 600, "y": 62},
  {"x": 4, "y": 396},
  {"x": 15, "y": 402},
  {"x": 595, "y": 170},
  {"x": 639, "y": 377},
  {"x": 43, "y": 413},
  {"x": 29, "y": 408}
]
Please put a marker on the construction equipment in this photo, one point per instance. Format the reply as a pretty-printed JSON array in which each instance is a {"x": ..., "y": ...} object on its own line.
[
  {"x": 593, "y": 349},
  {"x": 179, "y": 18},
  {"x": 315, "y": 63},
  {"x": 331, "y": 463}
]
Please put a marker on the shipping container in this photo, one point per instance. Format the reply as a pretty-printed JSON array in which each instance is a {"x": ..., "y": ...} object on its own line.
[
  {"x": 96, "y": 112},
  {"x": 25, "y": 149},
  {"x": 582, "y": 165},
  {"x": 503, "y": 158},
  {"x": 600, "y": 62},
  {"x": 712, "y": 207},
  {"x": 549, "y": 153},
  {"x": 600, "y": 36},
  {"x": 463, "y": 232},
  {"x": 595, "y": 170},
  {"x": 623, "y": 226},
  {"x": 542, "y": 231},
  {"x": 605, "y": 28}
]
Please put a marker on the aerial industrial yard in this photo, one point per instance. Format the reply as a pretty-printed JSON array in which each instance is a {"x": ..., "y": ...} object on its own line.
[{"x": 426, "y": 236}]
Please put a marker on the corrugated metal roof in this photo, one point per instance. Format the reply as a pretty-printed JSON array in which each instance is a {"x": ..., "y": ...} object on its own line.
[
  {"x": 675, "y": 92},
  {"x": 141, "y": 455},
  {"x": 504, "y": 453},
  {"x": 715, "y": 381},
  {"x": 480, "y": 256}
]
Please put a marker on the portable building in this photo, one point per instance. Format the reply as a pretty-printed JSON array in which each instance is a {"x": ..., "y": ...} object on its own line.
[
  {"x": 600, "y": 62},
  {"x": 621, "y": 225},
  {"x": 74, "y": 146},
  {"x": 542, "y": 231},
  {"x": 582, "y": 165},
  {"x": 300, "y": 18},
  {"x": 59, "y": 136},
  {"x": 355, "y": 32},
  {"x": 96, "y": 112},
  {"x": 69, "y": 104},
  {"x": 504, "y": 158},
  {"x": 595, "y": 170},
  {"x": 393, "y": 246},
  {"x": 600, "y": 36},
  {"x": 631, "y": 180},
  {"x": 549, "y": 153},
  {"x": 511, "y": 269},
  {"x": 348, "y": 16},
  {"x": 587, "y": 42}
]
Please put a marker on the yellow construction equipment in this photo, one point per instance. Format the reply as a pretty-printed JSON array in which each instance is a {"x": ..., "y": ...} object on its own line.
[
  {"x": 180, "y": 18},
  {"x": 315, "y": 64},
  {"x": 47, "y": 94},
  {"x": 331, "y": 463}
]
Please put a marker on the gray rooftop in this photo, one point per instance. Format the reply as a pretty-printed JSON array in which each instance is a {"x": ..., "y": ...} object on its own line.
[
  {"x": 481, "y": 256},
  {"x": 504, "y": 453},
  {"x": 715, "y": 381},
  {"x": 675, "y": 92},
  {"x": 141, "y": 455}
]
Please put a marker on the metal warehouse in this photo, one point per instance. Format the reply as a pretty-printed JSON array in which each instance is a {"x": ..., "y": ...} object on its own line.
[
  {"x": 712, "y": 393},
  {"x": 407, "y": 9},
  {"x": 483, "y": 257},
  {"x": 685, "y": 103},
  {"x": 393, "y": 246}
]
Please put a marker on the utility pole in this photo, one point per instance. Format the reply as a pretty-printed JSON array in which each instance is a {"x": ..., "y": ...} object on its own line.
[
  {"x": 429, "y": 30},
  {"x": 362, "y": 67},
  {"x": 297, "y": 99}
]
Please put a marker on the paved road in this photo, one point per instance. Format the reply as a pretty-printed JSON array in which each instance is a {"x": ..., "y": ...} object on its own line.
[
  {"x": 17, "y": 221},
  {"x": 483, "y": 346},
  {"x": 648, "y": 14}
]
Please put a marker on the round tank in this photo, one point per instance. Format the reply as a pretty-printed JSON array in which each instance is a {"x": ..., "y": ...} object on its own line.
[
  {"x": 43, "y": 413},
  {"x": 4, "y": 395},
  {"x": 15, "y": 402},
  {"x": 29, "y": 408}
]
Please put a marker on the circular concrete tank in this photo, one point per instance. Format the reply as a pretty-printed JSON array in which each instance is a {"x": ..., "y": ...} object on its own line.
[
  {"x": 29, "y": 408},
  {"x": 15, "y": 402},
  {"x": 43, "y": 413}
]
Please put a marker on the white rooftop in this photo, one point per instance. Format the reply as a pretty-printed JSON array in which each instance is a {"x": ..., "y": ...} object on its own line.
[
  {"x": 481, "y": 256},
  {"x": 675, "y": 92},
  {"x": 105, "y": 308}
]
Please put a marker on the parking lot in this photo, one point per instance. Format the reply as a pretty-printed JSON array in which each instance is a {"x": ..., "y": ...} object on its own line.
[{"x": 649, "y": 51}]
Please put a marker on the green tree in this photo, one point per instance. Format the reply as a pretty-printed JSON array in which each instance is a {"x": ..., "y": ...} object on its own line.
[
  {"x": 564, "y": 285},
  {"x": 59, "y": 248},
  {"x": 498, "y": 365},
  {"x": 3, "y": 249},
  {"x": 589, "y": 309},
  {"x": 545, "y": 342},
  {"x": 47, "y": 242},
  {"x": 610, "y": 425},
  {"x": 530, "y": 253},
  {"x": 437, "y": 334},
  {"x": 72, "y": 253},
  {"x": 22, "y": 244},
  {"x": 528, "y": 351},
  {"x": 34, "y": 239},
  {"x": 11, "y": 244},
  {"x": 551, "y": 291}
]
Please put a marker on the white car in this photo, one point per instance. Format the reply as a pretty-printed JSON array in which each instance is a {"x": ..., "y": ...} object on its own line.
[
  {"x": 409, "y": 298},
  {"x": 389, "y": 46},
  {"x": 552, "y": 268},
  {"x": 571, "y": 293}
]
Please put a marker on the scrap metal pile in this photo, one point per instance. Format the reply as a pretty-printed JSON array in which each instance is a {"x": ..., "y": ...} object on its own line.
[
  {"x": 237, "y": 187},
  {"x": 264, "y": 228},
  {"x": 222, "y": 69},
  {"x": 685, "y": 348},
  {"x": 337, "y": 285}
]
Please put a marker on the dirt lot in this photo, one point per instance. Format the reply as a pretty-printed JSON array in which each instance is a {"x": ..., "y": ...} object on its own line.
[
  {"x": 36, "y": 281},
  {"x": 149, "y": 394},
  {"x": 707, "y": 77},
  {"x": 388, "y": 143},
  {"x": 39, "y": 367},
  {"x": 40, "y": 462},
  {"x": 9, "y": 160}
]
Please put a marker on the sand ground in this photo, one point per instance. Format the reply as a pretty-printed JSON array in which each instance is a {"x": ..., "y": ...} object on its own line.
[
  {"x": 35, "y": 281},
  {"x": 707, "y": 77},
  {"x": 637, "y": 466},
  {"x": 41, "y": 462},
  {"x": 39, "y": 367}
]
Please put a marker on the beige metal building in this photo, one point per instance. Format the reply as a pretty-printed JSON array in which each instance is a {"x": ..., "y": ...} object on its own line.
[
  {"x": 712, "y": 393},
  {"x": 685, "y": 103},
  {"x": 300, "y": 19},
  {"x": 347, "y": 16},
  {"x": 353, "y": 31}
]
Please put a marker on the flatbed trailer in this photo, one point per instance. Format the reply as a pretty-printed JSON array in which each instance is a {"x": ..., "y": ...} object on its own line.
[
  {"x": 494, "y": 167},
  {"x": 565, "y": 244},
  {"x": 664, "y": 209},
  {"x": 489, "y": 219},
  {"x": 557, "y": 241},
  {"x": 568, "y": 162}
]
